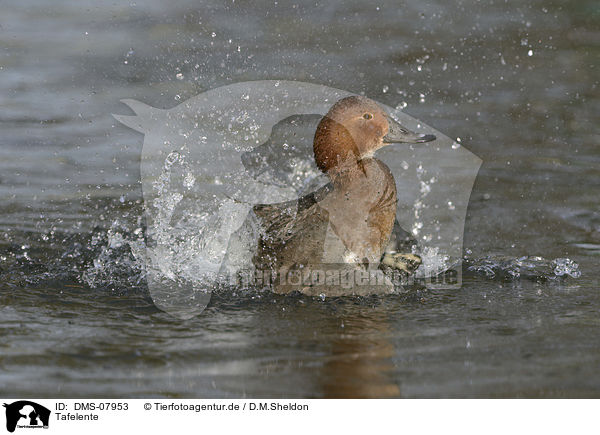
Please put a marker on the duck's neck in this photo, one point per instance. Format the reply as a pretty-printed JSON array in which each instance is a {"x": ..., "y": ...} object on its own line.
[{"x": 334, "y": 148}]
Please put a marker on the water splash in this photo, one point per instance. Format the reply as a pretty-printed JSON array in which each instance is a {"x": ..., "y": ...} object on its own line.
[
  {"x": 120, "y": 262},
  {"x": 434, "y": 259},
  {"x": 527, "y": 267},
  {"x": 434, "y": 262}
]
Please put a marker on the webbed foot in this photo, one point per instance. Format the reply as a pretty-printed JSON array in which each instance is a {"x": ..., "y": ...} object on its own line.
[{"x": 407, "y": 263}]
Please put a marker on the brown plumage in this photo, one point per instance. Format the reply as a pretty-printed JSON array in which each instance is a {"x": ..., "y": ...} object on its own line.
[{"x": 343, "y": 227}]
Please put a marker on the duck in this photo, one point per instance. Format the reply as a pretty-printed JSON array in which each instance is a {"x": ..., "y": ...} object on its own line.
[{"x": 332, "y": 242}]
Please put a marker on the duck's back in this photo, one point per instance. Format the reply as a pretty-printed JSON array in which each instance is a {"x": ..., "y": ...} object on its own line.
[{"x": 292, "y": 232}]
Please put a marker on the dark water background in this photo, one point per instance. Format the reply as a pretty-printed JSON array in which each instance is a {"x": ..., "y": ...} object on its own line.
[{"x": 516, "y": 81}]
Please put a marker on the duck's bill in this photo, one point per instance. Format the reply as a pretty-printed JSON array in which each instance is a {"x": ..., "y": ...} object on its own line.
[{"x": 399, "y": 134}]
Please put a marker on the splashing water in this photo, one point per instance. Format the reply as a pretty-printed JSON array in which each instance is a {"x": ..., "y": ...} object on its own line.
[
  {"x": 434, "y": 260},
  {"x": 528, "y": 267},
  {"x": 188, "y": 242},
  {"x": 121, "y": 260}
]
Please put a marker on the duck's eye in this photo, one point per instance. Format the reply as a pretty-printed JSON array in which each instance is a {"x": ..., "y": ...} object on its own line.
[{"x": 367, "y": 116}]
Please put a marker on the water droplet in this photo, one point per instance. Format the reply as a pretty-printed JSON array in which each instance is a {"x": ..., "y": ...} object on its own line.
[
  {"x": 189, "y": 180},
  {"x": 566, "y": 266}
]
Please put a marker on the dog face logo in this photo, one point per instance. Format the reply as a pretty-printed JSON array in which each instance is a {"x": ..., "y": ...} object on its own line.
[
  {"x": 25, "y": 413},
  {"x": 208, "y": 162}
]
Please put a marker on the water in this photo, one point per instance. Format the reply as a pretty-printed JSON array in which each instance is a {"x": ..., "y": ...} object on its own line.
[{"x": 516, "y": 83}]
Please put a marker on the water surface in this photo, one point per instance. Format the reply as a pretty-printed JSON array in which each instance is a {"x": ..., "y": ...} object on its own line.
[{"x": 517, "y": 83}]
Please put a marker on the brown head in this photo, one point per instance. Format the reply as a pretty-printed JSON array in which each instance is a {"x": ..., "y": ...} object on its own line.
[{"x": 354, "y": 128}]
